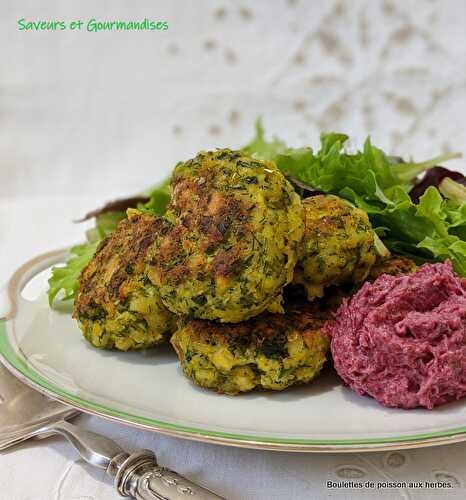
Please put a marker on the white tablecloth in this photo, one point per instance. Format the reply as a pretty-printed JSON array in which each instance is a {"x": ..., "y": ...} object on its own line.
[
  {"x": 85, "y": 117},
  {"x": 50, "y": 470}
]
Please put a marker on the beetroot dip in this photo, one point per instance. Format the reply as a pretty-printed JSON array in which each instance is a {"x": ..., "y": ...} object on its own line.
[{"x": 402, "y": 339}]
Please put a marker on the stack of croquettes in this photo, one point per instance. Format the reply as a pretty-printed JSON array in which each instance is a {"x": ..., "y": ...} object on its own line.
[{"x": 210, "y": 275}]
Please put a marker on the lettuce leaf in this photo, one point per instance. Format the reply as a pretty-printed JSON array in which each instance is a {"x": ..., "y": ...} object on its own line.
[
  {"x": 66, "y": 278},
  {"x": 159, "y": 198},
  {"x": 432, "y": 229},
  {"x": 105, "y": 224},
  {"x": 260, "y": 148}
]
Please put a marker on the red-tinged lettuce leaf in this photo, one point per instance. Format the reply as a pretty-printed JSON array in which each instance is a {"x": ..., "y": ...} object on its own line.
[
  {"x": 120, "y": 205},
  {"x": 433, "y": 177}
]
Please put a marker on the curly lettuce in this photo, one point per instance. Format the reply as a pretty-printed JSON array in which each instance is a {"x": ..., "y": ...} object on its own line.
[
  {"x": 65, "y": 278},
  {"x": 432, "y": 229},
  {"x": 428, "y": 229}
]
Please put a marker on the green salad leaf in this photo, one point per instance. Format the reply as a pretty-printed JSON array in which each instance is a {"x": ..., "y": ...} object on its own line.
[
  {"x": 159, "y": 198},
  {"x": 433, "y": 229},
  {"x": 262, "y": 149},
  {"x": 105, "y": 224},
  {"x": 66, "y": 278}
]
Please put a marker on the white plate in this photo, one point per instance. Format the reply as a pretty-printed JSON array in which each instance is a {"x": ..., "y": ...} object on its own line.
[{"x": 46, "y": 350}]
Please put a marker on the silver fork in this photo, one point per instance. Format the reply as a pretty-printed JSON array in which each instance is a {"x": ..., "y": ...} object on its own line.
[{"x": 25, "y": 414}]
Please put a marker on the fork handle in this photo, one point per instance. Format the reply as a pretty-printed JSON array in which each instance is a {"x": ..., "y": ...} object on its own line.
[{"x": 138, "y": 476}]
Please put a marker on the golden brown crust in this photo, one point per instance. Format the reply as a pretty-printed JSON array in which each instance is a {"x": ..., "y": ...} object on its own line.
[
  {"x": 208, "y": 220},
  {"x": 235, "y": 224},
  {"x": 117, "y": 306},
  {"x": 121, "y": 256},
  {"x": 337, "y": 247},
  {"x": 395, "y": 264},
  {"x": 271, "y": 351},
  {"x": 303, "y": 317}
]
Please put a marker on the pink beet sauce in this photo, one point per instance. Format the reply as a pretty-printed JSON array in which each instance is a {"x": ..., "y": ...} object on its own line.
[{"x": 402, "y": 339}]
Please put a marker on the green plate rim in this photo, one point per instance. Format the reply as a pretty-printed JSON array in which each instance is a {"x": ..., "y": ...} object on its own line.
[{"x": 19, "y": 365}]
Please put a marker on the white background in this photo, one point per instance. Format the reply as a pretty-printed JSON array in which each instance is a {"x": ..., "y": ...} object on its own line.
[{"x": 86, "y": 117}]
